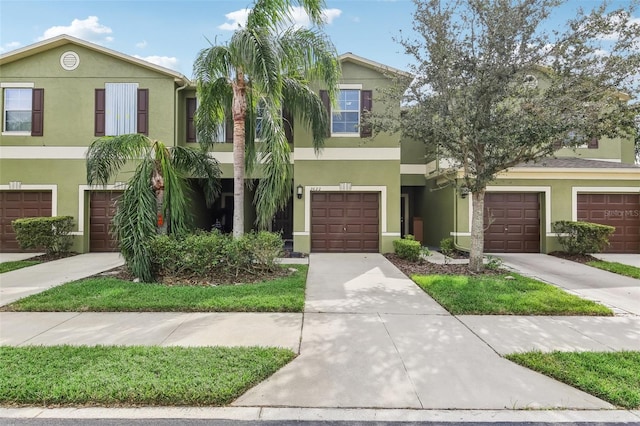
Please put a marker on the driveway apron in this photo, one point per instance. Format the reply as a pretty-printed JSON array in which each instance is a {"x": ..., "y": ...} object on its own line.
[{"x": 371, "y": 338}]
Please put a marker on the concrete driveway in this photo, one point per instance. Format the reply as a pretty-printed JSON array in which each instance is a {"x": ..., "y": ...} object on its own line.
[
  {"x": 625, "y": 259},
  {"x": 371, "y": 338},
  {"x": 24, "y": 282},
  {"x": 620, "y": 293}
]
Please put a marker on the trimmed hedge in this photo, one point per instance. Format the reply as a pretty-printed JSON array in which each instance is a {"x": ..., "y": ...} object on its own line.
[
  {"x": 408, "y": 248},
  {"x": 51, "y": 234},
  {"x": 205, "y": 253},
  {"x": 446, "y": 246},
  {"x": 582, "y": 237}
]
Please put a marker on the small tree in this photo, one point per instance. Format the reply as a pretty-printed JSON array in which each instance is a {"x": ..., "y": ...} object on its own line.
[
  {"x": 156, "y": 198},
  {"x": 494, "y": 89}
]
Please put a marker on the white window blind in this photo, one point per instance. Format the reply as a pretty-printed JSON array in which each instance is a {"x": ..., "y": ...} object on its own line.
[{"x": 121, "y": 109}]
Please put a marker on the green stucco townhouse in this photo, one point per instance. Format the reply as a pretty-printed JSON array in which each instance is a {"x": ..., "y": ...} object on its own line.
[{"x": 357, "y": 195}]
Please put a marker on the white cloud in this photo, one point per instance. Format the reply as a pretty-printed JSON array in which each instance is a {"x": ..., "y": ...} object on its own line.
[
  {"x": 10, "y": 46},
  {"x": 170, "y": 62},
  {"x": 299, "y": 17},
  {"x": 86, "y": 29},
  {"x": 142, "y": 44},
  {"x": 238, "y": 19}
]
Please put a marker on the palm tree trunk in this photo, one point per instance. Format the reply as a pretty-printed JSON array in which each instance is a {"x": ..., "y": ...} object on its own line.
[
  {"x": 477, "y": 232},
  {"x": 239, "y": 111},
  {"x": 157, "y": 183}
]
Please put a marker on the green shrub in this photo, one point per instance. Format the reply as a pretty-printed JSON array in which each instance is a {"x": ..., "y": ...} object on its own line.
[
  {"x": 51, "y": 234},
  {"x": 407, "y": 249},
  {"x": 582, "y": 237},
  {"x": 446, "y": 246},
  {"x": 205, "y": 253}
]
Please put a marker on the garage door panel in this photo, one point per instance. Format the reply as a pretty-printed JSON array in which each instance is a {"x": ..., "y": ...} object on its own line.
[
  {"x": 512, "y": 221},
  {"x": 621, "y": 211},
  {"x": 16, "y": 205},
  {"x": 350, "y": 222}
]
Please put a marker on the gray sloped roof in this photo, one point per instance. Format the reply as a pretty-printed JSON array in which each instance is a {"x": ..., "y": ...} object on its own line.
[{"x": 576, "y": 163}]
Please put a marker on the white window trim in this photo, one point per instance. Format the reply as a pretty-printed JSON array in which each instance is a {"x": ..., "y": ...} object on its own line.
[
  {"x": 12, "y": 85},
  {"x": 347, "y": 86}
]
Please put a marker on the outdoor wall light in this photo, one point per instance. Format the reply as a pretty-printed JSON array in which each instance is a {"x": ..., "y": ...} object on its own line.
[
  {"x": 464, "y": 191},
  {"x": 299, "y": 190}
]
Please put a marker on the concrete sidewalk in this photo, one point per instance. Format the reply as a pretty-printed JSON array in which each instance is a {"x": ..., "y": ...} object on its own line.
[{"x": 620, "y": 293}]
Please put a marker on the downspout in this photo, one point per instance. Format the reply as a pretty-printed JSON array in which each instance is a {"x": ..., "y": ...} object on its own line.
[{"x": 175, "y": 113}]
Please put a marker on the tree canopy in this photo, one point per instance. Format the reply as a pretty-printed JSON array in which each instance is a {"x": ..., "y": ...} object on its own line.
[
  {"x": 495, "y": 86},
  {"x": 261, "y": 73}
]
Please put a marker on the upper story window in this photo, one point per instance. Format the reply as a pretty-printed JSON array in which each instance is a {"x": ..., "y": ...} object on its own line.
[
  {"x": 346, "y": 118},
  {"x": 23, "y": 107},
  {"x": 121, "y": 108}
]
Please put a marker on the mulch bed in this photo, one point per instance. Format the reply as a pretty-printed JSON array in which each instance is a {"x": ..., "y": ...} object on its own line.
[
  {"x": 423, "y": 267},
  {"x": 580, "y": 258},
  {"x": 123, "y": 273},
  {"x": 51, "y": 257}
]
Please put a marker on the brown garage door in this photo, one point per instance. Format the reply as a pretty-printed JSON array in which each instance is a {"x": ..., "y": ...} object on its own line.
[
  {"x": 16, "y": 205},
  {"x": 512, "y": 222},
  {"x": 344, "y": 222},
  {"x": 102, "y": 207},
  {"x": 619, "y": 210}
]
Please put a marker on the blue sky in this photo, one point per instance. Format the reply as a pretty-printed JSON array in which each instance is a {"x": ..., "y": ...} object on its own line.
[{"x": 170, "y": 33}]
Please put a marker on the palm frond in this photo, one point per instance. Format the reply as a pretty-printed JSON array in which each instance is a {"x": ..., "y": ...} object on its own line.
[
  {"x": 135, "y": 220},
  {"x": 311, "y": 55},
  {"x": 198, "y": 164},
  {"x": 308, "y": 108},
  {"x": 108, "y": 154},
  {"x": 274, "y": 188},
  {"x": 256, "y": 55},
  {"x": 273, "y": 13}
]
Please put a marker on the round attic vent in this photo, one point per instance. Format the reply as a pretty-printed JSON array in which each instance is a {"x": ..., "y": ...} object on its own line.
[{"x": 69, "y": 60}]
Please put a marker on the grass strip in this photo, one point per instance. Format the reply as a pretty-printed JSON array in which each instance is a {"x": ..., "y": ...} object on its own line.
[
  {"x": 612, "y": 376},
  {"x": 617, "y": 268},
  {"x": 16, "y": 264},
  {"x": 497, "y": 295},
  {"x": 104, "y": 294},
  {"x": 133, "y": 375}
]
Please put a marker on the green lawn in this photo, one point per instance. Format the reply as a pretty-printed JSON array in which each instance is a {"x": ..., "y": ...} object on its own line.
[
  {"x": 612, "y": 376},
  {"x": 495, "y": 295},
  {"x": 117, "y": 375},
  {"x": 113, "y": 295},
  {"x": 16, "y": 264},
  {"x": 618, "y": 268}
]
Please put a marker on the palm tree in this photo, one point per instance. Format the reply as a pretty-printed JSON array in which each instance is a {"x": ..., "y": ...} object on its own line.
[
  {"x": 265, "y": 68},
  {"x": 155, "y": 201}
]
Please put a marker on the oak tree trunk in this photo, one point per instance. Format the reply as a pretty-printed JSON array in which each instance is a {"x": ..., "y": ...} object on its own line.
[{"x": 477, "y": 232}]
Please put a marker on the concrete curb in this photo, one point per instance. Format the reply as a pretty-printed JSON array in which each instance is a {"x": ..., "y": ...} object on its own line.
[{"x": 326, "y": 414}]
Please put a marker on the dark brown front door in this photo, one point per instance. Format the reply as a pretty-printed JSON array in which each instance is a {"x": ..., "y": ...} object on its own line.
[
  {"x": 102, "y": 207},
  {"x": 345, "y": 222},
  {"x": 17, "y": 205},
  {"x": 512, "y": 222},
  {"x": 619, "y": 210},
  {"x": 283, "y": 221}
]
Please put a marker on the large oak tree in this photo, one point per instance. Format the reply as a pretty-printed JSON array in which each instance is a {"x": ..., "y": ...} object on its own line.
[{"x": 497, "y": 85}]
